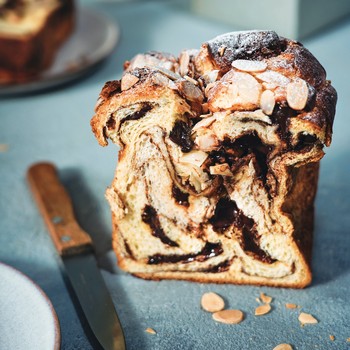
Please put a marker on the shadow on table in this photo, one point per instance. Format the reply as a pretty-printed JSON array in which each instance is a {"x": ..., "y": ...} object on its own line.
[
  {"x": 331, "y": 257},
  {"x": 88, "y": 210}
]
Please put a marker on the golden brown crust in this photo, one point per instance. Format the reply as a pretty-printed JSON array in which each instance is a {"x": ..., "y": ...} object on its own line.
[{"x": 23, "y": 57}]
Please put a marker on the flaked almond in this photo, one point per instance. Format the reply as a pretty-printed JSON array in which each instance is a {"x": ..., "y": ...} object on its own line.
[
  {"x": 194, "y": 157},
  {"x": 229, "y": 316},
  {"x": 283, "y": 346},
  {"x": 273, "y": 77},
  {"x": 297, "y": 94},
  {"x": 236, "y": 90},
  {"x": 184, "y": 60},
  {"x": 183, "y": 170},
  {"x": 262, "y": 310},
  {"x": 167, "y": 72},
  {"x": 128, "y": 81},
  {"x": 198, "y": 178},
  {"x": 267, "y": 102},
  {"x": 291, "y": 306},
  {"x": 265, "y": 298},
  {"x": 220, "y": 169},
  {"x": 249, "y": 66},
  {"x": 161, "y": 79},
  {"x": 208, "y": 88},
  {"x": 172, "y": 85},
  {"x": 269, "y": 86},
  {"x": 212, "y": 302},
  {"x": 211, "y": 77},
  {"x": 205, "y": 122},
  {"x": 191, "y": 80},
  {"x": 305, "y": 318},
  {"x": 150, "y": 330},
  {"x": 189, "y": 90},
  {"x": 207, "y": 141},
  {"x": 141, "y": 60}
]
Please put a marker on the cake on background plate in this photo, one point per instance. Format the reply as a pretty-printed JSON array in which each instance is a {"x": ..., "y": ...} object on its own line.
[
  {"x": 31, "y": 32},
  {"x": 218, "y": 161}
]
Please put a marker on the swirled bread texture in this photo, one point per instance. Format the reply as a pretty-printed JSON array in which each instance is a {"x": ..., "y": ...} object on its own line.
[
  {"x": 218, "y": 161},
  {"x": 31, "y": 32}
]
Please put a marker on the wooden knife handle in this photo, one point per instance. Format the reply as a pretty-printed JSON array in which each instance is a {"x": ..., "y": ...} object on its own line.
[{"x": 57, "y": 210}]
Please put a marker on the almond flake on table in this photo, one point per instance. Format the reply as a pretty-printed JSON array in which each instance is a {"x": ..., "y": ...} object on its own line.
[
  {"x": 291, "y": 306},
  {"x": 283, "y": 347},
  {"x": 212, "y": 302},
  {"x": 265, "y": 298},
  {"x": 305, "y": 318},
  {"x": 150, "y": 330},
  {"x": 228, "y": 316},
  {"x": 262, "y": 310}
]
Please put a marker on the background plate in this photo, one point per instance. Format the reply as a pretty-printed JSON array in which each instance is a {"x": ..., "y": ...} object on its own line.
[
  {"x": 27, "y": 318},
  {"x": 93, "y": 39}
]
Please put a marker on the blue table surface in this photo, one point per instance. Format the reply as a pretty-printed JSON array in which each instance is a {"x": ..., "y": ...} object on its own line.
[{"x": 54, "y": 126}]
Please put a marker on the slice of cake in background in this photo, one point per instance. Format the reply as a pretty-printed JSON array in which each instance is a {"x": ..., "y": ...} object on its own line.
[
  {"x": 31, "y": 32},
  {"x": 218, "y": 161}
]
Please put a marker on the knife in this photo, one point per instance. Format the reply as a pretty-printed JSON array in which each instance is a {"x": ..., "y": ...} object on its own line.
[{"x": 76, "y": 250}]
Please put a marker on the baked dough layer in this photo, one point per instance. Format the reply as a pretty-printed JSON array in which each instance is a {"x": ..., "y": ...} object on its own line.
[{"x": 218, "y": 160}]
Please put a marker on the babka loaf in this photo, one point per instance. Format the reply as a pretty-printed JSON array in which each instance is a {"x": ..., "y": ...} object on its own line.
[
  {"x": 31, "y": 31},
  {"x": 218, "y": 161}
]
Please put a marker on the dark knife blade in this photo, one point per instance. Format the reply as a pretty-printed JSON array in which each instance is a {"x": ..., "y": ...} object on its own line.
[{"x": 76, "y": 250}]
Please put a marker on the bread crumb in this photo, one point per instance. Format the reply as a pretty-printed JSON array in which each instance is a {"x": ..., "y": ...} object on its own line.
[
  {"x": 332, "y": 337},
  {"x": 151, "y": 330}
]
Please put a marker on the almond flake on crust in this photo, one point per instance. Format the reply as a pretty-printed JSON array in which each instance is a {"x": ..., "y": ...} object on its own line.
[
  {"x": 249, "y": 66},
  {"x": 267, "y": 102},
  {"x": 128, "y": 81},
  {"x": 297, "y": 94}
]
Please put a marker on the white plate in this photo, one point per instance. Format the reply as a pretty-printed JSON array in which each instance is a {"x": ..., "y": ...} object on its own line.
[
  {"x": 27, "y": 318},
  {"x": 93, "y": 39}
]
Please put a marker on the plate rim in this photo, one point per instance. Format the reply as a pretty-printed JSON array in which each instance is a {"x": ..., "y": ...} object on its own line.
[
  {"x": 56, "y": 323},
  {"x": 61, "y": 78}
]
